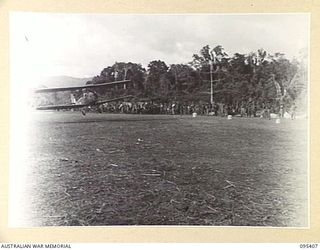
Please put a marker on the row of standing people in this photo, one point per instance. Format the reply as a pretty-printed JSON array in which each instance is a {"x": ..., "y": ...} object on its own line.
[{"x": 175, "y": 108}]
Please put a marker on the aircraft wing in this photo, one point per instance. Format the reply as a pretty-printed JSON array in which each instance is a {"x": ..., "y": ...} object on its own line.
[
  {"x": 88, "y": 86},
  {"x": 70, "y": 106},
  {"x": 57, "y": 107},
  {"x": 114, "y": 99}
]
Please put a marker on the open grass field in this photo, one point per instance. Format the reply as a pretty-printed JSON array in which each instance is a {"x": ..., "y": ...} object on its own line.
[{"x": 117, "y": 169}]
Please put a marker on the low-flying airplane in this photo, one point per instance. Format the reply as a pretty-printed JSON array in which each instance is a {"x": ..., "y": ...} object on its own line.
[{"x": 89, "y": 97}]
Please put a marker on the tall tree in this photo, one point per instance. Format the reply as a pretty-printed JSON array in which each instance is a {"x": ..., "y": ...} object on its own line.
[
  {"x": 183, "y": 77},
  {"x": 122, "y": 71},
  {"x": 202, "y": 61},
  {"x": 157, "y": 76}
]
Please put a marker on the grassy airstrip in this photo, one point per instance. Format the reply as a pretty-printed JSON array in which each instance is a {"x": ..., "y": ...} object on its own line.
[{"x": 117, "y": 169}]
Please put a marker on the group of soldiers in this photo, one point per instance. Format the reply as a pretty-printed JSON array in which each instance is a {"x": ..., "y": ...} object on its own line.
[{"x": 244, "y": 109}]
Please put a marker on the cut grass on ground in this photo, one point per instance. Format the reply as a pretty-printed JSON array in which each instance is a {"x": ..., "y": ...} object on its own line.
[{"x": 165, "y": 170}]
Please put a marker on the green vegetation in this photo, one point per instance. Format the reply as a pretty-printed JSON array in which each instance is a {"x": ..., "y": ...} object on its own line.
[{"x": 241, "y": 78}]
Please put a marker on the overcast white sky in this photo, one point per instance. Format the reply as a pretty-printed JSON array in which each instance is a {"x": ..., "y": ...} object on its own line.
[{"x": 81, "y": 45}]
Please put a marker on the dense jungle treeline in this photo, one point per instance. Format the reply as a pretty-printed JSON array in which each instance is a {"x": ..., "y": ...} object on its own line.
[{"x": 257, "y": 76}]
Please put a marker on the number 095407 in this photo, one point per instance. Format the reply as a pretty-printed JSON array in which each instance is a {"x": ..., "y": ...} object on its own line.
[{"x": 309, "y": 246}]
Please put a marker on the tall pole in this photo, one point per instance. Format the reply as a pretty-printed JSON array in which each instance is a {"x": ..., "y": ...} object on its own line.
[
  {"x": 176, "y": 78},
  {"x": 212, "y": 61},
  {"x": 211, "y": 82}
]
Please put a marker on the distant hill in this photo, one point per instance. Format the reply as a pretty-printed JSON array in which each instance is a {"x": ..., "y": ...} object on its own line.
[{"x": 61, "y": 81}]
